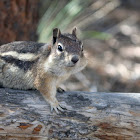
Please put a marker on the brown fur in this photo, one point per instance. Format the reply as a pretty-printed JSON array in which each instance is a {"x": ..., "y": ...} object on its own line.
[{"x": 40, "y": 66}]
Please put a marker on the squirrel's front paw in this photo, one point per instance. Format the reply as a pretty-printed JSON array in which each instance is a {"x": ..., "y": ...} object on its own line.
[{"x": 56, "y": 107}]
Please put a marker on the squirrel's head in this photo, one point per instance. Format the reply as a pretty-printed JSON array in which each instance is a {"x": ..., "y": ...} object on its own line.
[{"x": 67, "y": 51}]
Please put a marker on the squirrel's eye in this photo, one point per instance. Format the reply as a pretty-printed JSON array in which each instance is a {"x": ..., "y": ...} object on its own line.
[{"x": 60, "y": 48}]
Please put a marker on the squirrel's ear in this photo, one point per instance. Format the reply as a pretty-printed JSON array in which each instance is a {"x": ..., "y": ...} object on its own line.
[
  {"x": 56, "y": 34},
  {"x": 74, "y": 31}
]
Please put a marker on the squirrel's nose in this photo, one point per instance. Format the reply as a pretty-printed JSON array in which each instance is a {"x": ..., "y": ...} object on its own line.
[{"x": 75, "y": 59}]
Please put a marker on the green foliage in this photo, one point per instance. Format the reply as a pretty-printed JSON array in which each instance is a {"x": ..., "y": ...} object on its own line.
[
  {"x": 61, "y": 14},
  {"x": 95, "y": 34}
]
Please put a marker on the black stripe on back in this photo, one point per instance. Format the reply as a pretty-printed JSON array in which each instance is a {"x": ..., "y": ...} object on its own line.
[
  {"x": 22, "y": 47},
  {"x": 25, "y": 65}
]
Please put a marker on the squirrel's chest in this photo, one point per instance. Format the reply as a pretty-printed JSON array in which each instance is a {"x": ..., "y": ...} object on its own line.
[{"x": 54, "y": 68}]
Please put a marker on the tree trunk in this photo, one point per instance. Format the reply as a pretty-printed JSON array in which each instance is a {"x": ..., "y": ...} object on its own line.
[
  {"x": 18, "y": 20},
  {"x": 24, "y": 115}
]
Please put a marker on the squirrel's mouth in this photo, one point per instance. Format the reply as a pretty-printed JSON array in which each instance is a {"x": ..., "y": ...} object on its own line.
[{"x": 70, "y": 65}]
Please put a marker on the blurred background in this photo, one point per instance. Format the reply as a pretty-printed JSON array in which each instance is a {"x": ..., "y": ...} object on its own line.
[{"x": 110, "y": 30}]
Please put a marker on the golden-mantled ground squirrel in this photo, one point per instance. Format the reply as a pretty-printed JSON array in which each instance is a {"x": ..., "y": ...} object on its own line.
[{"x": 31, "y": 65}]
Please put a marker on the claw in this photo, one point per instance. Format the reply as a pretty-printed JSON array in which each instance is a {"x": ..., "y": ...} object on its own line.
[
  {"x": 60, "y": 90},
  {"x": 61, "y": 109},
  {"x": 51, "y": 109},
  {"x": 57, "y": 109}
]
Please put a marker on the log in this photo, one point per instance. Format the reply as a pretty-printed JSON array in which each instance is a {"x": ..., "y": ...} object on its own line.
[{"x": 24, "y": 115}]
